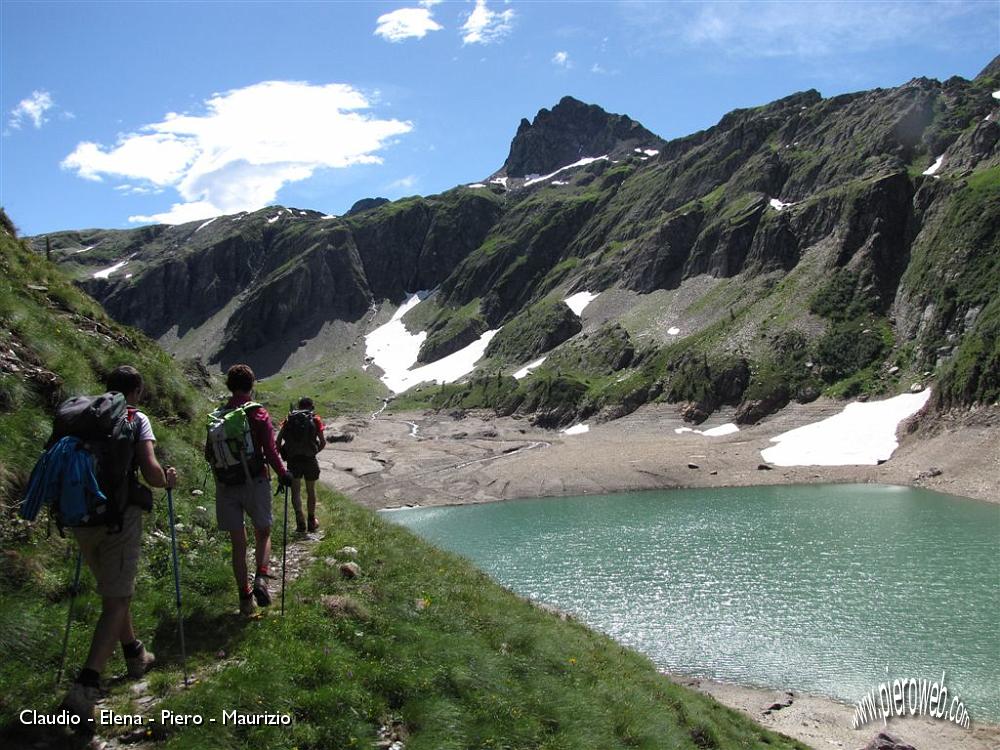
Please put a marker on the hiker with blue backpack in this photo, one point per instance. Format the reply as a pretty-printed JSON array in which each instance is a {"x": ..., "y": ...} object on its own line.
[
  {"x": 239, "y": 448},
  {"x": 98, "y": 446}
]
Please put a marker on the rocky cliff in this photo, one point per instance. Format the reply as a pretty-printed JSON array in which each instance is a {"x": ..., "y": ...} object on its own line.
[{"x": 847, "y": 244}]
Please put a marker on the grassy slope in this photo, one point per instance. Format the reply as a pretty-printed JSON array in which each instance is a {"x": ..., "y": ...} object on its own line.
[
  {"x": 471, "y": 665},
  {"x": 350, "y": 391}
]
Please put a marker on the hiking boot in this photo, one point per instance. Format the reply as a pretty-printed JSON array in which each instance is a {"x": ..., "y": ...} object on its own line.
[
  {"x": 313, "y": 524},
  {"x": 300, "y": 523},
  {"x": 260, "y": 592},
  {"x": 80, "y": 701},
  {"x": 247, "y": 605},
  {"x": 138, "y": 665}
]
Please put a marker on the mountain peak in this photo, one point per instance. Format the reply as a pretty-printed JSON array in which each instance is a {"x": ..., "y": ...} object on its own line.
[
  {"x": 570, "y": 131},
  {"x": 992, "y": 69}
]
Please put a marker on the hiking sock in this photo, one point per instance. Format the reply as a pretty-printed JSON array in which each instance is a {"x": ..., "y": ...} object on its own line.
[
  {"x": 89, "y": 678},
  {"x": 246, "y": 592},
  {"x": 133, "y": 649},
  {"x": 262, "y": 570}
]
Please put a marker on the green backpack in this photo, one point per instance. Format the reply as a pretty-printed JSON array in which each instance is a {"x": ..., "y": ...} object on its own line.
[{"x": 229, "y": 447}]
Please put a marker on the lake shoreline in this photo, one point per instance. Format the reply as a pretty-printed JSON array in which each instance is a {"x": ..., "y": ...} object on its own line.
[
  {"x": 433, "y": 459},
  {"x": 821, "y": 721}
]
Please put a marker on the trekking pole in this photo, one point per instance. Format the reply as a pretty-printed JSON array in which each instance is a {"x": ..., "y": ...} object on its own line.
[
  {"x": 177, "y": 581},
  {"x": 69, "y": 619},
  {"x": 284, "y": 551}
]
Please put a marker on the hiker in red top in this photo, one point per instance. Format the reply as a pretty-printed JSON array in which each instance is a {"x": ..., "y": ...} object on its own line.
[
  {"x": 299, "y": 440},
  {"x": 252, "y": 497}
]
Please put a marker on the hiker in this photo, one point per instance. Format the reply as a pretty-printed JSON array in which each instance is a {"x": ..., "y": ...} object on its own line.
[
  {"x": 113, "y": 557},
  {"x": 246, "y": 488},
  {"x": 299, "y": 440}
]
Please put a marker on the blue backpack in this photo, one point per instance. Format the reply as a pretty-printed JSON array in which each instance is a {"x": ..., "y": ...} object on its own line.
[{"x": 83, "y": 474}]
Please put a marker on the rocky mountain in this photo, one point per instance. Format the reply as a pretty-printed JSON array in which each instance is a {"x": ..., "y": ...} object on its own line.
[
  {"x": 571, "y": 131},
  {"x": 846, "y": 244}
]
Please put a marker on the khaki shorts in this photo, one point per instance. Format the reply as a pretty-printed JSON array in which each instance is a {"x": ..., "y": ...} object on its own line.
[
  {"x": 231, "y": 502},
  {"x": 113, "y": 558}
]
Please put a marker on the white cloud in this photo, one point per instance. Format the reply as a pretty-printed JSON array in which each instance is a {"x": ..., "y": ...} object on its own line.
[
  {"x": 596, "y": 68},
  {"x": 243, "y": 149},
  {"x": 484, "y": 26},
  {"x": 407, "y": 23},
  {"x": 562, "y": 59},
  {"x": 33, "y": 108}
]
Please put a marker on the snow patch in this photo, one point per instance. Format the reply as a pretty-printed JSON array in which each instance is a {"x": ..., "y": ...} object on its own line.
[
  {"x": 673, "y": 330},
  {"x": 105, "y": 273},
  {"x": 275, "y": 217},
  {"x": 723, "y": 429},
  {"x": 862, "y": 434},
  {"x": 84, "y": 249},
  {"x": 476, "y": 185},
  {"x": 526, "y": 370},
  {"x": 499, "y": 181},
  {"x": 128, "y": 276},
  {"x": 205, "y": 224},
  {"x": 577, "y": 302},
  {"x": 532, "y": 179},
  {"x": 559, "y": 182},
  {"x": 395, "y": 350},
  {"x": 445, "y": 370},
  {"x": 327, "y": 217},
  {"x": 996, "y": 94},
  {"x": 778, "y": 205},
  {"x": 933, "y": 168},
  {"x": 577, "y": 429}
]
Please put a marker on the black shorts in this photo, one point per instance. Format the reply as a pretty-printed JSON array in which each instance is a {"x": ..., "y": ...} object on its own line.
[{"x": 304, "y": 467}]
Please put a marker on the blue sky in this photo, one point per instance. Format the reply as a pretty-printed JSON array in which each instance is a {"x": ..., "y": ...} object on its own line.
[{"x": 118, "y": 114}]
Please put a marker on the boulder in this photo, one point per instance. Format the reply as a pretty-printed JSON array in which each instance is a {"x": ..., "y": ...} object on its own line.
[
  {"x": 350, "y": 570},
  {"x": 337, "y": 606},
  {"x": 693, "y": 412},
  {"x": 886, "y": 741}
]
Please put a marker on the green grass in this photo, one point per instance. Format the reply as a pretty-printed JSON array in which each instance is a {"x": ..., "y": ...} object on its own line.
[{"x": 334, "y": 393}]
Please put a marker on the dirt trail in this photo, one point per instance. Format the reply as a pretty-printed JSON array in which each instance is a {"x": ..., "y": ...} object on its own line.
[{"x": 301, "y": 549}]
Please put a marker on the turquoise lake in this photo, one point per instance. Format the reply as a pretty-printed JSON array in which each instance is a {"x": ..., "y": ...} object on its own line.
[{"x": 815, "y": 588}]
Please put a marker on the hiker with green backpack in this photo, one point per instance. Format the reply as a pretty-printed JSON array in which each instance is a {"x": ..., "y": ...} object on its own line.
[
  {"x": 300, "y": 438},
  {"x": 239, "y": 448},
  {"x": 115, "y": 440}
]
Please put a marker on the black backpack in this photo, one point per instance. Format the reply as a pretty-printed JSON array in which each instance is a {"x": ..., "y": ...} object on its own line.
[
  {"x": 104, "y": 429},
  {"x": 299, "y": 436}
]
